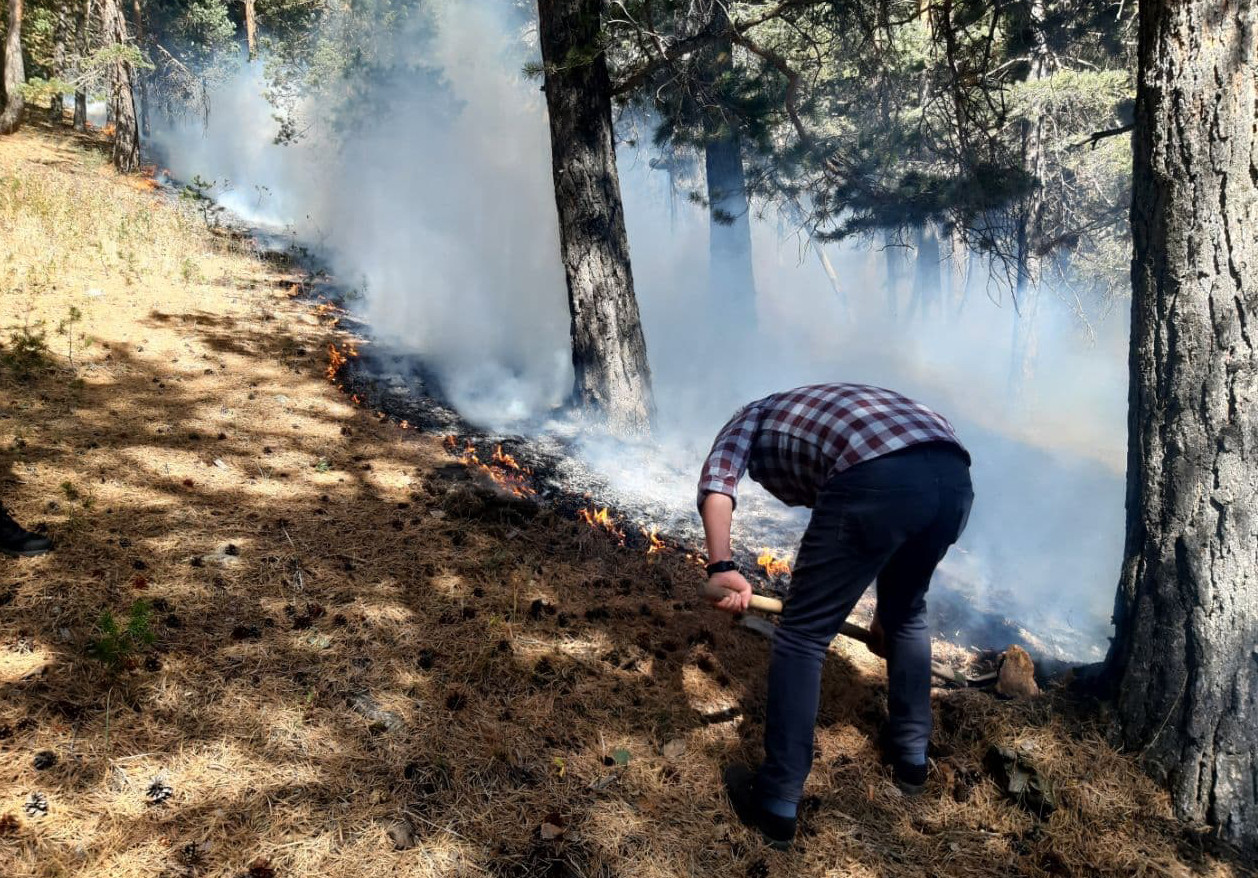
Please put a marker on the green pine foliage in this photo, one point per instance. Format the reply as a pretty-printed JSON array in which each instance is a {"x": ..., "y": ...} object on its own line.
[
  {"x": 118, "y": 640},
  {"x": 858, "y": 116}
]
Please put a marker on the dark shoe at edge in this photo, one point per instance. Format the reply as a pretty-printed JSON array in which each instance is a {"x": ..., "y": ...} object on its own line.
[
  {"x": 740, "y": 785},
  {"x": 910, "y": 779},
  {"x": 18, "y": 542}
]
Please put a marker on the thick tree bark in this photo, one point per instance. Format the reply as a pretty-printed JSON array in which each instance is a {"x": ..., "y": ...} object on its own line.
[
  {"x": 613, "y": 379},
  {"x": 1185, "y": 651},
  {"x": 141, "y": 77},
  {"x": 121, "y": 97},
  {"x": 251, "y": 29},
  {"x": 81, "y": 39},
  {"x": 61, "y": 28},
  {"x": 12, "y": 72}
]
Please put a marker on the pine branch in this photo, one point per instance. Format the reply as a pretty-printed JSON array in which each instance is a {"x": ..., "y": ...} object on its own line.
[
  {"x": 668, "y": 54},
  {"x": 1098, "y": 136}
]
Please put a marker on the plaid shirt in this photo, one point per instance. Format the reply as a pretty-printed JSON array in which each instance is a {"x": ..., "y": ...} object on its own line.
[{"x": 792, "y": 442}]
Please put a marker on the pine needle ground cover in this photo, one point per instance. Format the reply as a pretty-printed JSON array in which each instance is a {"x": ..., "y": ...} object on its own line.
[{"x": 276, "y": 640}]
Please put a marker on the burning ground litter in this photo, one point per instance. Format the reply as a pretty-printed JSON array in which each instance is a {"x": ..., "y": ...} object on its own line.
[
  {"x": 554, "y": 473},
  {"x": 368, "y": 659}
]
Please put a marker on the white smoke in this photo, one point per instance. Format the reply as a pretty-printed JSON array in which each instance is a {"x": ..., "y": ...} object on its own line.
[{"x": 441, "y": 211}]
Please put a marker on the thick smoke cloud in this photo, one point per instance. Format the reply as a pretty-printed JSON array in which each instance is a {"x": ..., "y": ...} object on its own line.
[
  {"x": 438, "y": 209},
  {"x": 441, "y": 211}
]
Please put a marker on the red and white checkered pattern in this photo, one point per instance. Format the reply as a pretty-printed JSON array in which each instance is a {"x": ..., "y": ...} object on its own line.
[{"x": 792, "y": 442}]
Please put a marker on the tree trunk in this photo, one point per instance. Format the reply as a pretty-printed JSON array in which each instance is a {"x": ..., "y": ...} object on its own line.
[
  {"x": 893, "y": 260},
  {"x": 926, "y": 277},
  {"x": 57, "y": 103},
  {"x": 81, "y": 40},
  {"x": 831, "y": 274},
  {"x": 613, "y": 378},
  {"x": 1185, "y": 653},
  {"x": 1025, "y": 345},
  {"x": 121, "y": 98},
  {"x": 141, "y": 77},
  {"x": 731, "y": 276},
  {"x": 1030, "y": 218},
  {"x": 12, "y": 73},
  {"x": 957, "y": 285},
  {"x": 251, "y": 29}
]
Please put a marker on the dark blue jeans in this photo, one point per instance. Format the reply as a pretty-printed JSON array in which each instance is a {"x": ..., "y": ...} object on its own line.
[{"x": 891, "y": 518}]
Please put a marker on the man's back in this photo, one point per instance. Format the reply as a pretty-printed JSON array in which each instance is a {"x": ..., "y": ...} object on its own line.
[{"x": 793, "y": 441}]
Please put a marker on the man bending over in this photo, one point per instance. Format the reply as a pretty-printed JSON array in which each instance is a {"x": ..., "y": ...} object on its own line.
[{"x": 889, "y": 487}]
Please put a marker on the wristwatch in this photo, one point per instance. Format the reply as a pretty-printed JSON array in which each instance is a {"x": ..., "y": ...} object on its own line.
[{"x": 720, "y": 567}]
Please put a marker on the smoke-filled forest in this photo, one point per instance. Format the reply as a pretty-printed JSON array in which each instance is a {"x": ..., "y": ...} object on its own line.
[{"x": 628, "y": 438}]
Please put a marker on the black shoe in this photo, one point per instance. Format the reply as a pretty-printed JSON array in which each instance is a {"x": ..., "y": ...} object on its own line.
[
  {"x": 19, "y": 542},
  {"x": 910, "y": 779},
  {"x": 740, "y": 785}
]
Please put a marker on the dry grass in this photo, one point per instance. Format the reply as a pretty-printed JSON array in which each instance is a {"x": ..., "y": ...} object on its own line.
[{"x": 373, "y": 650}]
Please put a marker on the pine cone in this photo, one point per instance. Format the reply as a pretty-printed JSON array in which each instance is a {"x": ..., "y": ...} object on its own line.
[
  {"x": 36, "y": 805},
  {"x": 158, "y": 792}
]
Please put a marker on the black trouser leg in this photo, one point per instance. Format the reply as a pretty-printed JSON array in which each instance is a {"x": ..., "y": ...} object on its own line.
[{"x": 897, "y": 515}]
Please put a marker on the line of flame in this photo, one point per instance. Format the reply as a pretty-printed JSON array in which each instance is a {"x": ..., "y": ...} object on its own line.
[{"x": 502, "y": 467}]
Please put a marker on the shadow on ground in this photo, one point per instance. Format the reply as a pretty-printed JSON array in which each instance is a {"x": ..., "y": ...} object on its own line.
[{"x": 362, "y": 666}]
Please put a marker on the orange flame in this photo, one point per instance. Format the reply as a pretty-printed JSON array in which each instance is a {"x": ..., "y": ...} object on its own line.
[
  {"x": 654, "y": 544},
  {"x": 502, "y": 467},
  {"x": 773, "y": 566},
  {"x": 505, "y": 460},
  {"x": 602, "y": 520},
  {"x": 336, "y": 362},
  {"x": 337, "y": 359}
]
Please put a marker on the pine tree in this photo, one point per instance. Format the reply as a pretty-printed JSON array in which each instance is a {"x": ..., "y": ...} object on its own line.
[
  {"x": 12, "y": 72},
  {"x": 1186, "y": 617},
  {"x": 613, "y": 378}
]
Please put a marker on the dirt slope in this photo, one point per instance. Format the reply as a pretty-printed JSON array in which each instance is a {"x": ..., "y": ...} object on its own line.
[{"x": 353, "y": 652}]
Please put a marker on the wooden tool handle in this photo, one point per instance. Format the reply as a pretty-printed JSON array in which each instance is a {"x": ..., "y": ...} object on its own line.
[
  {"x": 856, "y": 632},
  {"x": 765, "y": 605}
]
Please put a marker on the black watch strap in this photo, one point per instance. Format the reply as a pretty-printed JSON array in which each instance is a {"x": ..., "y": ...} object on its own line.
[{"x": 720, "y": 567}]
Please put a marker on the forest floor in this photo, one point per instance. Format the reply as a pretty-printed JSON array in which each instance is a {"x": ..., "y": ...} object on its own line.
[{"x": 323, "y": 660}]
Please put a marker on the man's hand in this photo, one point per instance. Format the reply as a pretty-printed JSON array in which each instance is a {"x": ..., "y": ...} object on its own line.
[{"x": 738, "y": 592}]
